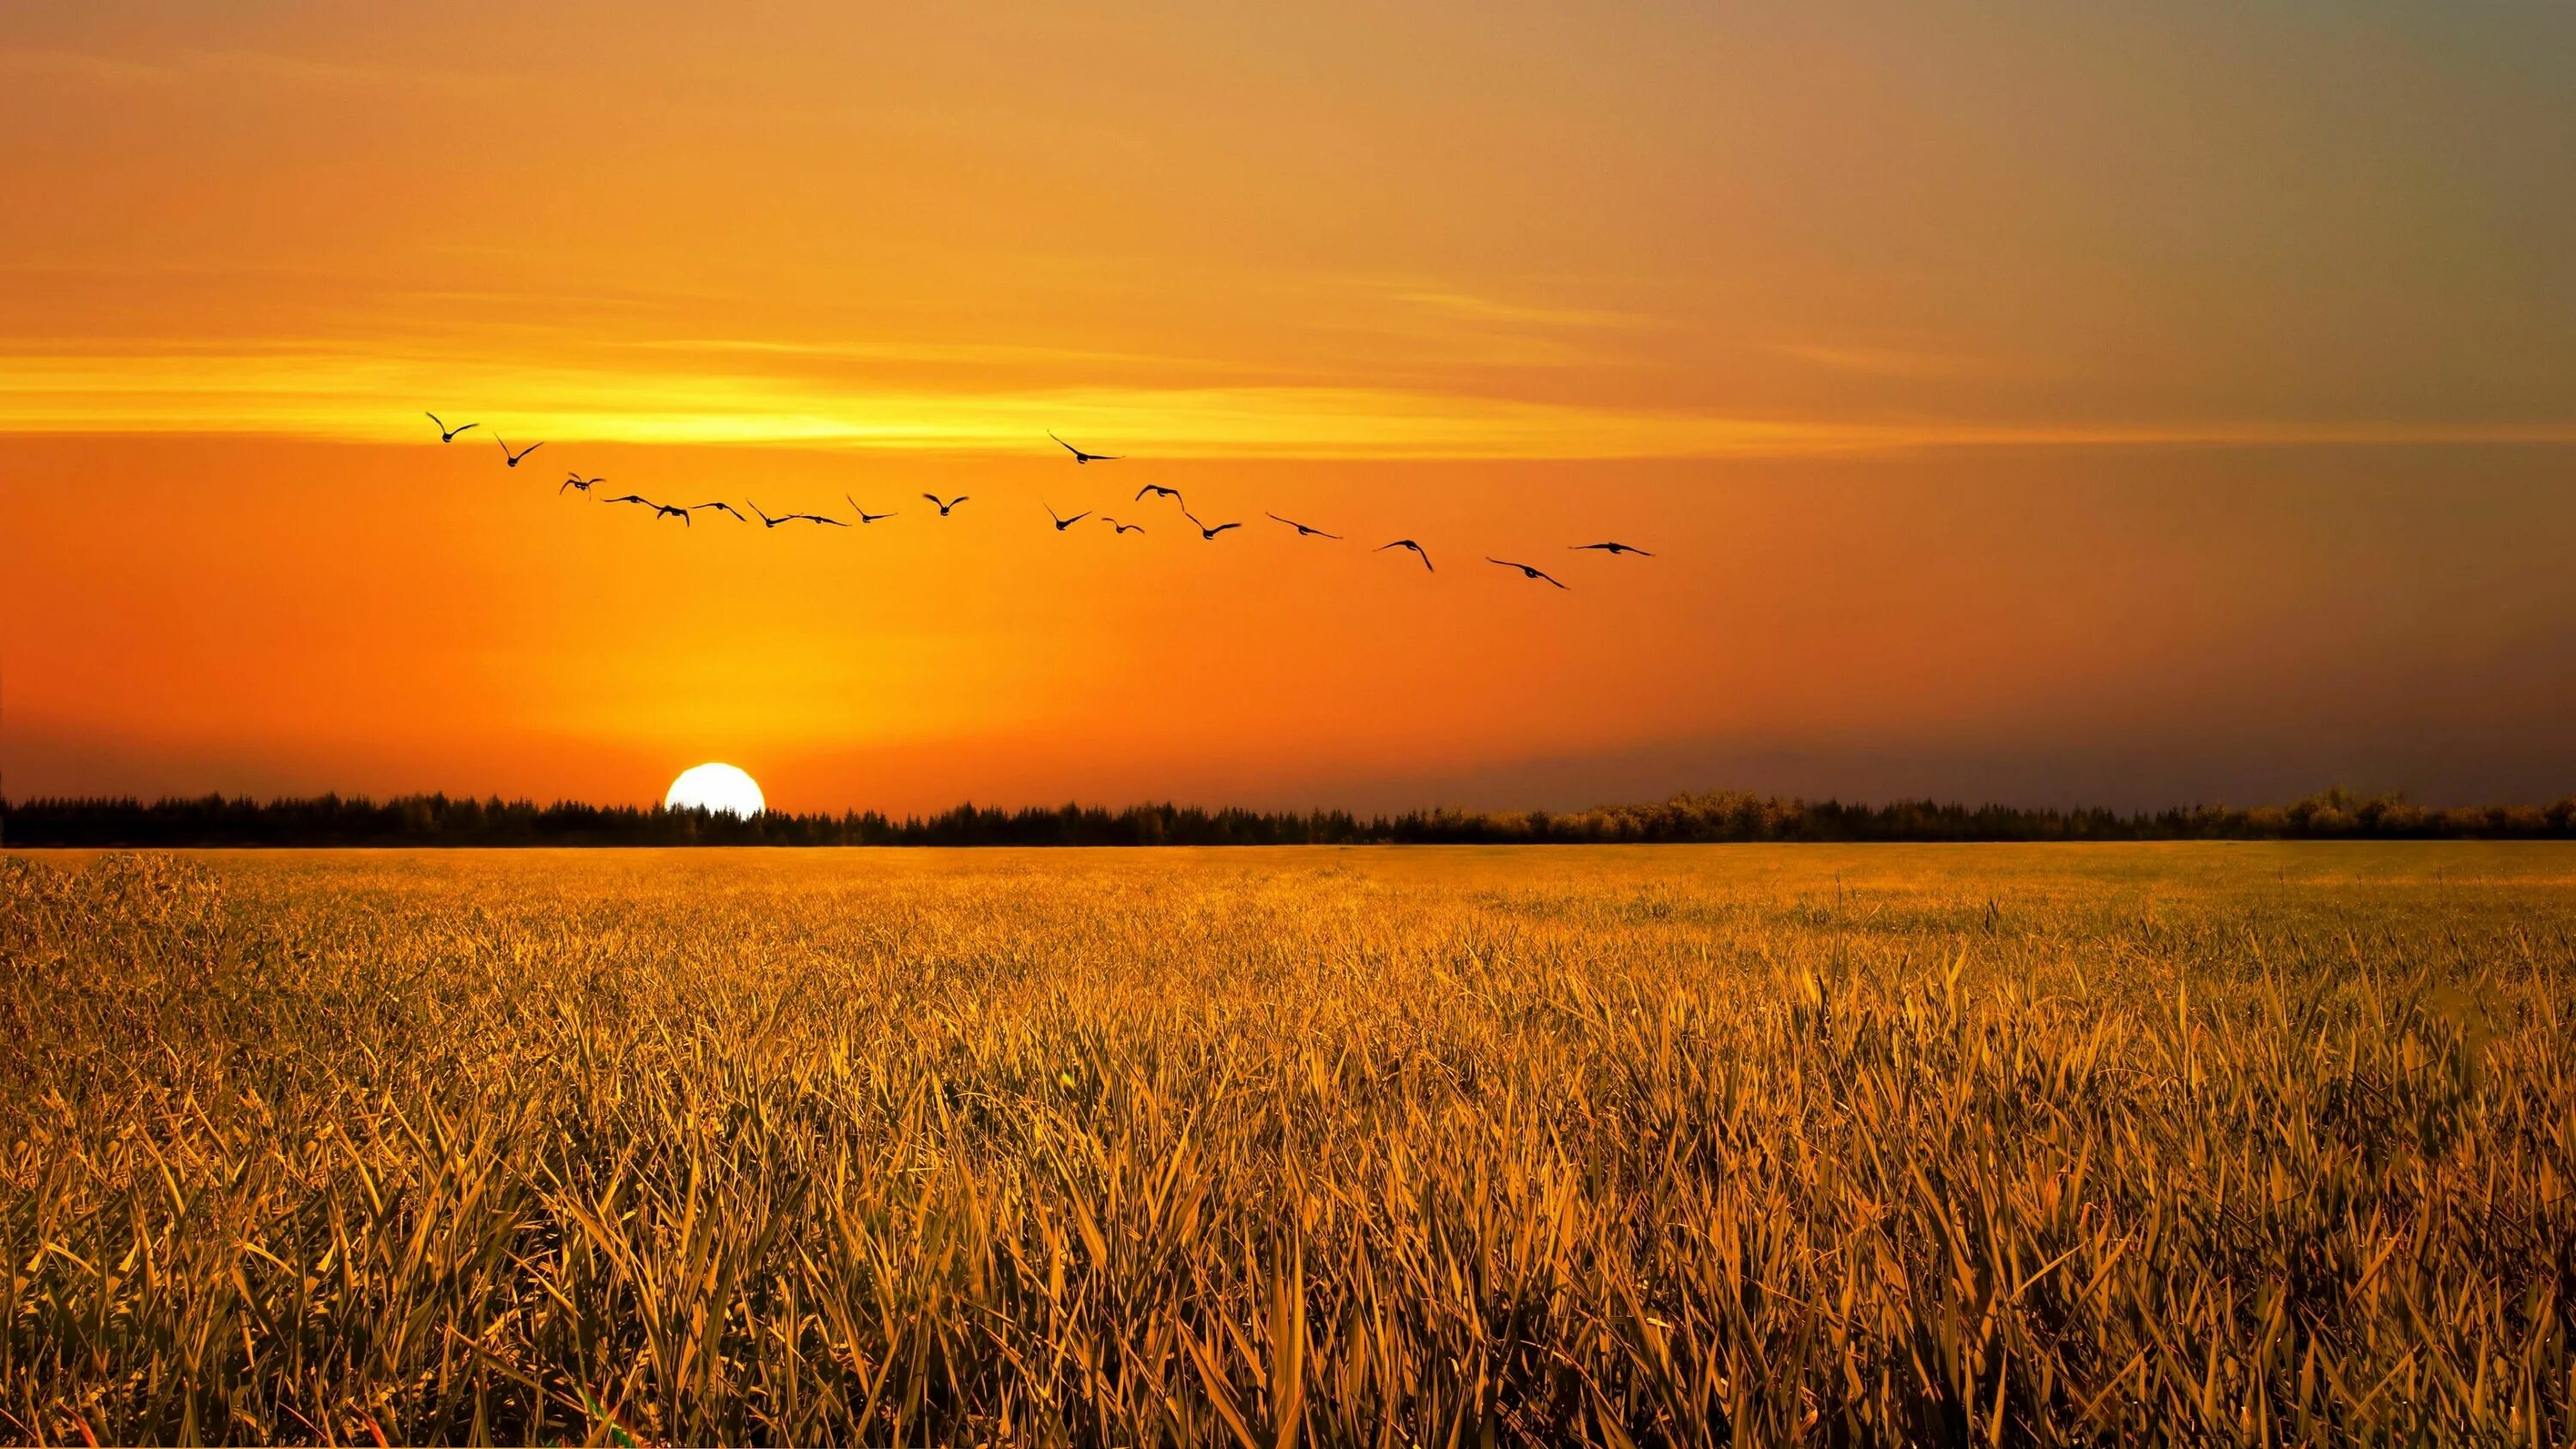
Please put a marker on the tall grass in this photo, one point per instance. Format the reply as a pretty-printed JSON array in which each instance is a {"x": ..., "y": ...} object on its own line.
[{"x": 1947, "y": 1144}]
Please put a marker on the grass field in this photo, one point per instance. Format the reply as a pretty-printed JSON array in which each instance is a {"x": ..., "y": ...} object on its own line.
[{"x": 1666, "y": 1145}]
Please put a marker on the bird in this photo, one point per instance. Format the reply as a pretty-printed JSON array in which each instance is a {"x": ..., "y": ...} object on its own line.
[
  {"x": 1124, "y": 527},
  {"x": 1526, "y": 571},
  {"x": 1302, "y": 530},
  {"x": 722, "y": 507},
  {"x": 1204, "y": 530},
  {"x": 793, "y": 517},
  {"x": 1061, "y": 524},
  {"x": 1080, "y": 456},
  {"x": 944, "y": 507},
  {"x": 1612, "y": 548},
  {"x": 864, "y": 515},
  {"x": 1159, "y": 490},
  {"x": 577, "y": 483},
  {"x": 1407, "y": 543},
  {"x": 512, "y": 459},
  {"x": 447, "y": 434},
  {"x": 660, "y": 510}
]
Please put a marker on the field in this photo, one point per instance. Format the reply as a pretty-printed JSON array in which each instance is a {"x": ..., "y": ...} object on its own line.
[{"x": 1955, "y": 1144}]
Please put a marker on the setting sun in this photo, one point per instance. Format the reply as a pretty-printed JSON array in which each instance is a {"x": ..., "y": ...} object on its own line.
[{"x": 721, "y": 788}]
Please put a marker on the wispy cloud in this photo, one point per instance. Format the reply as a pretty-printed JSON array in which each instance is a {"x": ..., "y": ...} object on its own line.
[
  {"x": 1886, "y": 361},
  {"x": 266, "y": 67},
  {"x": 340, "y": 395}
]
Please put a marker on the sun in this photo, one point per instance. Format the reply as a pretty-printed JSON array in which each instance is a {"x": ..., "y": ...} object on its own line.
[{"x": 720, "y": 788}]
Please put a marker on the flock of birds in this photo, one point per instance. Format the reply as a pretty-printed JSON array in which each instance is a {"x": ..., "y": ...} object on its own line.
[{"x": 574, "y": 482}]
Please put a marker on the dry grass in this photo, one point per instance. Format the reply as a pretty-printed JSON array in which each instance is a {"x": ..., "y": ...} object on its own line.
[{"x": 1953, "y": 1144}]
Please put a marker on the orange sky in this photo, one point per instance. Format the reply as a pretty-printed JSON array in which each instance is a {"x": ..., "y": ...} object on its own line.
[{"x": 2031, "y": 401}]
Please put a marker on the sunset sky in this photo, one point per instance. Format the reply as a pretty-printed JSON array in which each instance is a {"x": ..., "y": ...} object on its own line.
[{"x": 2128, "y": 404}]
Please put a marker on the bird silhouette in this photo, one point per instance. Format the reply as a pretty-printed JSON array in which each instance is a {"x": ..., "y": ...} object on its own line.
[
  {"x": 660, "y": 510},
  {"x": 795, "y": 517},
  {"x": 1204, "y": 530},
  {"x": 864, "y": 515},
  {"x": 721, "y": 507},
  {"x": 1302, "y": 530},
  {"x": 1159, "y": 490},
  {"x": 1612, "y": 548},
  {"x": 512, "y": 459},
  {"x": 1080, "y": 456},
  {"x": 1124, "y": 527},
  {"x": 1061, "y": 524},
  {"x": 944, "y": 507},
  {"x": 577, "y": 483},
  {"x": 1526, "y": 571},
  {"x": 447, "y": 434},
  {"x": 1407, "y": 543}
]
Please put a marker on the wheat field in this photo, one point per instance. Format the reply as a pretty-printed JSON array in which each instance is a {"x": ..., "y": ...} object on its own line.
[{"x": 1804, "y": 1144}]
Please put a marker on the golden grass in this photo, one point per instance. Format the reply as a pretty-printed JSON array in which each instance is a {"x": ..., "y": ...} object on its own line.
[{"x": 1665, "y": 1145}]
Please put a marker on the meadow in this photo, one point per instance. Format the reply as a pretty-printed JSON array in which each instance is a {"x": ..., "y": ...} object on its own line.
[{"x": 2198, "y": 1143}]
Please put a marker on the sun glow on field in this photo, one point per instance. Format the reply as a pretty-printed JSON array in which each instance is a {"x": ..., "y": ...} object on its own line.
[{"x": 721, "y": 788}]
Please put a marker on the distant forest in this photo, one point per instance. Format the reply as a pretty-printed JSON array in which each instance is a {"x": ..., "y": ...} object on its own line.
[{"x": 436, "y": 820}]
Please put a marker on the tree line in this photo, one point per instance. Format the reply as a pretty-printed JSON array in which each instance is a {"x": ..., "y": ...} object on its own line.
[{"x": 439, "y": 820}]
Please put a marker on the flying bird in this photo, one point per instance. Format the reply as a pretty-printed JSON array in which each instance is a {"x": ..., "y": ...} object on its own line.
[
  {"x": 660, "y": 510},
  {"x": 1407, "y": 543},
  {"x": 1159, "y": 490},
  {"x": 1526, "y": 571},
  {"x": 512, "y": 459},
  {"x": 577, "y": 483},
  {"x": 1080, "y": 456},
  {"x": 1061, "y": 524},
  {"x": 864, "y": 515},
  {"x": 1302, "y": 530},
  {"x": 1612, "y": 548},
  {"x": 722, "y": 507},
  {"x": 944, "y": 507},
  {"x": 1204, "y": 530},
  {"x": 447, "y": 434},
  {"x": 1124, "y": 527},
  {"x": 794, "y": 517}
]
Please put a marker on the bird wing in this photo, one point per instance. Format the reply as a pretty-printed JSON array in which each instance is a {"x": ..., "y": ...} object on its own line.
[
  {"x": 934, "y": 498},
  {"x": 1222, "y": 527},
  {"x": 532, "y": 447},
  {"x": 1077, "y": 518},
  {"x": 629, "y": 498},
  {"x": 1068, "y": 447},
  {"x": 1551, "y": 578},
  {"x": 1141, "y": 492},
  {"x": 433, "y": 417}
]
